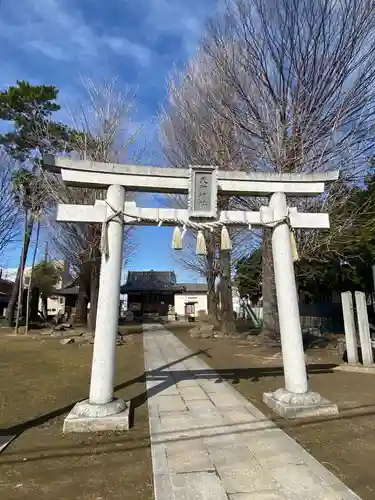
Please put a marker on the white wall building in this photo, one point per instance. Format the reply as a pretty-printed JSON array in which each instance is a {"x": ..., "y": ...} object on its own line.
[
  {"x": 55, "y": 304},
  {"x": 195, "y": 300},
  {"x": 190, "y": 302}
]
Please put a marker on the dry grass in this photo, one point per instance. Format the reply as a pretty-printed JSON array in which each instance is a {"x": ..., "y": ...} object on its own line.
[
  {"x": 345, "y": 444},
  {"x": 41, "y": 381}
]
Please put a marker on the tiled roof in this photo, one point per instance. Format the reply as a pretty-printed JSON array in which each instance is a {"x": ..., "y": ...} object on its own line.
[
  {"x": 149, "y": 280},
  {"x": 177, "y": 288},
  {"x": 73, "y": 290},
  {"x": 142, "y": 281},
  {"x": 194, "y": 287}
]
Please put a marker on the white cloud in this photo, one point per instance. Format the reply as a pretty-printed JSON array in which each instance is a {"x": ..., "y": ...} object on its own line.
[
  {"x": 122, "y": 46},
  {"x": 65, "y": 42},
  {"x": 51, "y": 28},
  {"x": 186, "y": 19},
  {"x": 50, "y": 50}
]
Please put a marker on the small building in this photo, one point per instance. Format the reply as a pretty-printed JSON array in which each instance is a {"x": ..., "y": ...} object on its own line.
[
  {"x": 150, "y": 293},
  {"x": 191, "y": 299},
  {"x": 6, "y": 287},
  {"x": 157, "y": 293}
]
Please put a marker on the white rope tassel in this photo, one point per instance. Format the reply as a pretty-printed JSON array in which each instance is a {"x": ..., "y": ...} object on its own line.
[
  {"x": 201, "y": 244},
  {"x": 226, "y": 244},
  {"x": 177, "y": 239},
  {"x": 293, "y": 244}
]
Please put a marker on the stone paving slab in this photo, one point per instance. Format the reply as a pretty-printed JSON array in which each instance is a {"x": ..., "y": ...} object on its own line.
[{"x": 209, "y": 442}]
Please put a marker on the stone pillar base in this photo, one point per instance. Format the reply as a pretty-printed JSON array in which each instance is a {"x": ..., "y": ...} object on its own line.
[
  {"x": 290, "y": 405},
  {"x": 86, "y": 417}
]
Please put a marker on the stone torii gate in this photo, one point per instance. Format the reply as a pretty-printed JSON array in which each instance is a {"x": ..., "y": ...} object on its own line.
[{"x": 102, "y": 411}]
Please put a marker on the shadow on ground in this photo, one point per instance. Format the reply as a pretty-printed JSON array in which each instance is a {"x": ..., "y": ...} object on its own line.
[{"x": 167, "y": 379}]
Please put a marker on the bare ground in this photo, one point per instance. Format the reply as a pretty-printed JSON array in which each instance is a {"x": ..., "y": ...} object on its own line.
[
  {"x": 345, "y": 444},
  {"x": 41, "y": 380}
]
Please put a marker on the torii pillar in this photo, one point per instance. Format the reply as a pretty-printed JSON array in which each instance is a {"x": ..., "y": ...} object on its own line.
[
  {"x": 102, "y": 411},
  {"x": 295, "y": 400}
]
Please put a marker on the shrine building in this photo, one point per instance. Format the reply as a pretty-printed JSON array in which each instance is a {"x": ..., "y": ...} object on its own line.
[{"x": 155, "y": 293}]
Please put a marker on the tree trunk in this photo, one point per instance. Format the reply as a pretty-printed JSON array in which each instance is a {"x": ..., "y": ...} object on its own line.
[
  {"x": 94, "y": 290},
  {"x": 228, "y": 326},
  {"x": 34, "y": 304},
  {"x": 29, "y": 223},
  {"x": 270, "y": 328},
  {"x": 212, "y": 298},
  {"x": 80, "y": 317},
  {"x": 212, "y": 303},
  {"x": 30, "y": 286},
  {"x": 44, "y": 306}
]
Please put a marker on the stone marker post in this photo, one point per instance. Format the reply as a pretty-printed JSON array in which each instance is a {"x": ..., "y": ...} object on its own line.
[
  {"x": 364, "y": 329},
  {"x": 102, "y": 411},
  {"x": 349, "y": 325}
]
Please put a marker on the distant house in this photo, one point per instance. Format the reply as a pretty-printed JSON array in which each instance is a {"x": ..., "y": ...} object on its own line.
[
  {"x": 6, "y": 287},
  {"x": 55, "y": 303},
  {"x": 69, "y": 292}
]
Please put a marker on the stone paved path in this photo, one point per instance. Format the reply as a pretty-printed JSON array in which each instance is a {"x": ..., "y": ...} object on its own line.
[{"x": 209, "y": 443}]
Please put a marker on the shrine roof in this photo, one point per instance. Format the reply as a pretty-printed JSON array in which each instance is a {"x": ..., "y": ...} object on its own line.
[
  {"x": 158, "y": 281},
  {"x": 144, "y": 281}
]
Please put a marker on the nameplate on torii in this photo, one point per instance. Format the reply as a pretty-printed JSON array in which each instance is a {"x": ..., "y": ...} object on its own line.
[{"x": 170, "y": 217}]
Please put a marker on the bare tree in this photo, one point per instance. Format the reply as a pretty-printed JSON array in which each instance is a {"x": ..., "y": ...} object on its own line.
[
  {"x": 301, "y": 75},
  {"x": 194, "y": 133},
  {"x": 103, "y": 133},
  {"x": 9, "y": 229}
]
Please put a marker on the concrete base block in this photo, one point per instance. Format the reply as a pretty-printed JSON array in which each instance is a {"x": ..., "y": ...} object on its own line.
[
  {"x": 117, "y": 422},
  {"x": 356, "y": 368},
  {"x": 299, "y": 410}
]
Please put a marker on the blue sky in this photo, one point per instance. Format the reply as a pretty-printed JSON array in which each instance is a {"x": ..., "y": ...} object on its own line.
[{"x": 139, "y": 41}]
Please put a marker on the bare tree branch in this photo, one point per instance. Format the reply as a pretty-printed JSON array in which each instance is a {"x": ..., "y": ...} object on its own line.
[
  {"x": 192, "y": 132},
  {"x": 104, "y": 134},
  {"x": 281, "y": 86},
  {"x": 9, "y": 228}
]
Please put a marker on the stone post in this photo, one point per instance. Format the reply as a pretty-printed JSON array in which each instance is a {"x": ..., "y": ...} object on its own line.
[
  {"x": 349, "y": 325},
  {"x": 102, "y": 411},
  {"x": 364, "y": 329},
  {"x": 295, "y": 400}
]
